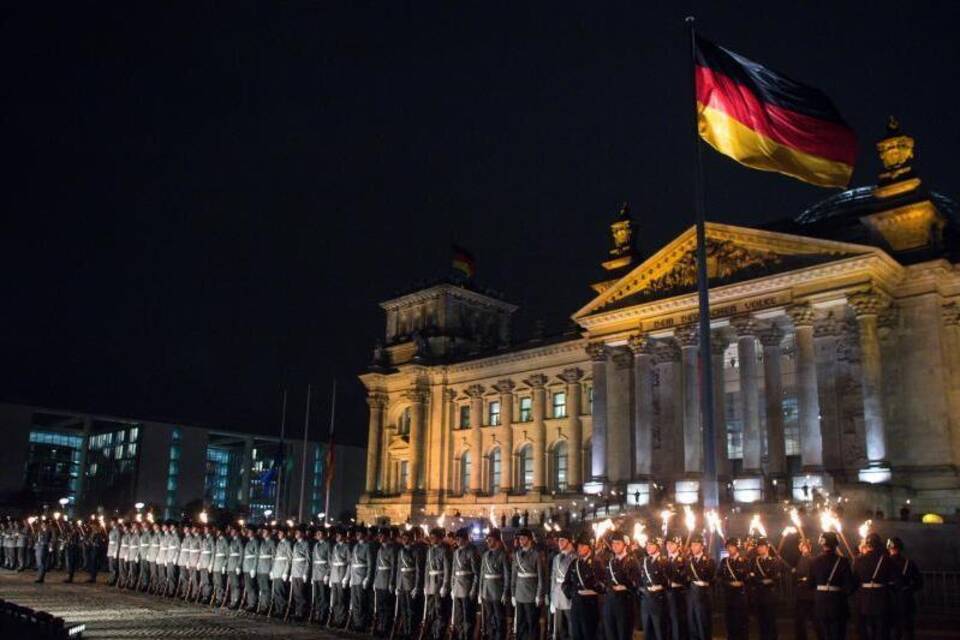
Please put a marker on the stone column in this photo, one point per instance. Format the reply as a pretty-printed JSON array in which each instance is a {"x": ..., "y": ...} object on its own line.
[
  {"x": 376, "y": 402},
  {"x": 417, "y": 399},
  {"x": 770, "y": 339},
  {"x": 642, "y": 348},
  {"x": 537, "y": 382},
  {"x": 619, "y": 424},
  {"x": 598, "y": 440},
  {"x": 572, "y": 377},
  {"x": 670, "y": 417},
  {"x": 692, "y": 438},
  {"x": 718, "y": 346},
  {"x": 749, "y": 391},
  {"x": 476, "y": 438},
  {"x": 808, "y": 399},
  {"x": 505, "y": 387},
  {"x": 867, "y": 305}
]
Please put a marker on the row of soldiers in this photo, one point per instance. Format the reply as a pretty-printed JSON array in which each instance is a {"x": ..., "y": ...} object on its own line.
[{"x": 52, "y": 544}]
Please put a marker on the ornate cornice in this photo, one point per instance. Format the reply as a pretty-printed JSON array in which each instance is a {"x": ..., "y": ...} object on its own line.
[
  {"x": 687, "y": 336},
  {"x": 772, "y": 336},
  {"x": 640, "y": 343},
  {"x": 622, "y": 359},
  {"x": 868, "y": 303},
  {"x": 505, "y": 386},
  {"x": 801, "y": 314},
  {"x": 377, "y": 400},
  {"x": 744, "y": 325},
  {"x": 718, "y": 342},
  {"x": 668, "y": 351},
  {"x": 597, "y": 351},
  {"x": 475, "y": 391},
  {"x": 536, "y": 381},
  {"x": 571, "y": 375},
  {"x": 415, "y": 396}
]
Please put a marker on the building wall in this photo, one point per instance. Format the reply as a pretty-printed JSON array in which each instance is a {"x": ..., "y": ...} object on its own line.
[
  {"x": 193, "y": 464},
  {"x": 15, "y": 423},
  {"x": 154, "y": 463}
]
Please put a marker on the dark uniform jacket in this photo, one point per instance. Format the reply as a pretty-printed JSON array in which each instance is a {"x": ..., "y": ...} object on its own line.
[
  {"x": 764, "y": 579},
  {"x": 584, "y": 579},
  {"x": 495, "y": 575},
  {"x": 409, "y": 574},
  {"x": 873, "y": 573},
  {"x": 833, "y": 582}
]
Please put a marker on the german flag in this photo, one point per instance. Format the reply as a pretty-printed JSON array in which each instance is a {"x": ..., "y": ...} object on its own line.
[
  {"x": 463, "y": 262},
  {"x": 769, "y": 122}
]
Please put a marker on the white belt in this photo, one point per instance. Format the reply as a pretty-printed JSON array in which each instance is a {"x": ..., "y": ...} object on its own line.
[
  {"x": 319, "y": 562},
  {"x": 700, "y": 583},
  {"x": 676, "y": 585},
  {"x": 653, "y": 588},
  {"x": 735, "y": 583},
  {"x": 406, "y": 570},
  {"x": 620, "y": 587},
  {"x": 234, "y": 555},
  {"x": 339, "y": 564},
  {"x": 587, "y": 592},
  {"x": 358, "y": 566},
  {"x": 384, "y": 568},
  {"x": 493, "y": 576},
  {"x": 527, "y": 575},
  {"x": 205, "y": 553},
  {"x": 435, "y": 573},
  {"x": 872, "y": 585},
  {"x": 299, "y": 559},
  {"x": 559, "y": 580},
  {"x": 828, "y": 587},
  {"x": 767, "y": 581},
  {"x": 220, "y": 555},
  {"x": 266, "y": 557},
  {"x": 463, "y": 573}
]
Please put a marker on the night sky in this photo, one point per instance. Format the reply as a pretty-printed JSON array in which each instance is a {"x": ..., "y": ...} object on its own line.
[{"x": 200, "y": 206}]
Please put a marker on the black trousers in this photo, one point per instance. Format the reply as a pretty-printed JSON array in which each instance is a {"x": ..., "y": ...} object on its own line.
[
  {"x": 832, "y": 628},
  {"x": 233, "y": 589},
  {"x": 802, "y": 618},
  {"x": 264, "y": 592},
  {"x": 407, "y": 618},
  {"x": 298, "y": 588},
  {"x": 561, "y": 625},
  {"x": 219, "y": 580},
  {"x": 113, "y": 566},
  {"x": 204, "y": 584},
  {"x": 765, "y": 611},
  {"x": 654, "y": 612},
  {"x": 677, "y": 608},
  {"x": 71, "y": 556},
  {"x": 700, "y": 613},
  {"x": 618, "y": 616},
  {"x": 528, "y": 621},
  {"x": 903, "y": 618},
  {"x": 383, "y": 611},
  {"x": 321, "y": 601},
  {"x": 494, "y": 620},
  {"x": 871, "y": 627},
  {"x": 584, "y": 617},
  {"x": 736, "y": 614},
  {"x": 464, "y": 618},
  {"x": 279, "y": 596},
  {"x": 358, "y": 608},
  {"x": 338, "y": 605},
  {"x": 250, "y": 585}
]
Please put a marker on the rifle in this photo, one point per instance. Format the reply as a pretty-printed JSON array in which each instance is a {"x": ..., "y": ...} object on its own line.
[
  {"x": 330, "y": 612},
  {"x": 453, "y": 616},
  {"x": 313, "y": 595},
  {"x": 396, "y": 613},
  {"x": 478, "y": 634},
  {"x": 286, "y": 614},
  {"x": 373, "y": 626}
]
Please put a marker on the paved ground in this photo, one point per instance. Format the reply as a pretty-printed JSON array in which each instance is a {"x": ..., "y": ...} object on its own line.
[{"x": 113, "y": 614}]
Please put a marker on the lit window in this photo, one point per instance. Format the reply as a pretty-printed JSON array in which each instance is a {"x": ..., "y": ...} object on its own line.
[
  {"x": 495, "y": 470},
  {"x": 560, "y": 404},
  {"x": 560, "y": 466},
  {"x": 404, "y": 475},
  {"x": 526, "y": 409},
  {"x": 404, "y": 426},
  {"x": 494, "y": 413},
  {"x": 465, "y": 416},
  {"x": 465, "y": 472},
  {"x": 526, "y": 467}
]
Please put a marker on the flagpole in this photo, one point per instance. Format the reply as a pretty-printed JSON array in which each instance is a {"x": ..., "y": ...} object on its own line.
[
  {"x": 333, "y": 409},
  {"x": 709, "y": 484},
  {"x": 303, "y": 458},
  {"x": 283, "y": 427}
]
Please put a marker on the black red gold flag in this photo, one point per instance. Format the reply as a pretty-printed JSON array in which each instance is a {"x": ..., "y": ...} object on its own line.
[
  {"x": 463, "y": 262},
  {"x": 767, "y": 121}
]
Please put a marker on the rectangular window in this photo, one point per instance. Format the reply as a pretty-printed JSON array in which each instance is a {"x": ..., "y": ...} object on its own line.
[
  {"x": 494, "y": 412},
  {"x": 560, "y": 404},
  {"x": 464, "y": 416},
  {"x": 403, "y": 475},
  {"x": 526, "y": 409}
]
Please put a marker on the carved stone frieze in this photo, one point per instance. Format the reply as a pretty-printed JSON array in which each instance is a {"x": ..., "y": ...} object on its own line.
[
  {"x": 687, "y": 336},
  {"x": 867, "y": 303}
]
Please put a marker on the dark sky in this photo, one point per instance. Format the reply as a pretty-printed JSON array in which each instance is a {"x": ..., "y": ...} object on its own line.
[{"x": 201, "y": 205}]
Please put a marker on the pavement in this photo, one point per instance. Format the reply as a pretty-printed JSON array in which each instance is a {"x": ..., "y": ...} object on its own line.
[{"x": 110, "y": 613}]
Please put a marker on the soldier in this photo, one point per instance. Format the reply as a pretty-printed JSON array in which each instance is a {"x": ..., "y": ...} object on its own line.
[
  {"x": 173, "y": 561},
  {"x": 408, "y": 581},
  {"x": 113, "y": 551},
  {"x": 94, "y": 549},
  {"x": 678, "y": 577},
  {"x": 251, "y": 560},
  {"x": 653, "y": 580},
  {"x": 123, "y": 555},
  {"x": 874, "y": 571},
  {"x": 320, "y": 577},
  {"x": 559, "y": 602},
  {"x": 701, "y": 570},
  {"x": 184, "y": 561},
  {"x": 299, "y": 574},
  {"x": 765, "y": 573},
  {"x": 733, "y": 574},
  {"x": 207, "y": 547},
  {"x": 264, "y": 566},
  {"x": 71, "y": 551},
  {"x": 154, "y": 558},
  {"x": 133, "y": 558},
  {"x": 464, "y": 586},
  {"x": 494, "y": 587},
  {"x": 360, "y": 580},
  {"x": 234, "y": 569},
  {"x": 582, "y": 585},
  {"x": 280, "y": 574},
  {"x": 435, "y": 586},
  {"x": 528, "y": 587},
  {"x": 339, "y": 578},
  {"x": 218, "y": 568},
  {"x": 907, "y": 580},
  {"x": 803, "y": 592},
  {"x": 42, "y": 551},
  {"x": 384, "y": 578},
  {"x": 832, "y": 577}
]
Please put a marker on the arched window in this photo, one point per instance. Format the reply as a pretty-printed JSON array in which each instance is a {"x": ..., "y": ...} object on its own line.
[
  {"x": 525, "y": 468},
  {"x": 560, "y": 466},
  {"x": 465, "y": 472},
  {"x": 403, "y": 428},
  {"x": 495, "y": 470}
]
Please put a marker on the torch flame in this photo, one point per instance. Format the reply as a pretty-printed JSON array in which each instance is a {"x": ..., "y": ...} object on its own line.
[
  {"x": 689, "y": 518},
  {"x": 639, "y": 533},
  {"x": 713, "y": 521},
  {"x": 493, "y": 517},
  {"x": 665, "y": 516},
  {"x": 795, "y": 518},
  {"x": 441, "y": 519},
  {"x": 203, "y": 517},
  {"x": 150, "y": 516},
  {"x": 864, "y": 529},
  {"x": 788, "y": 531},
  {"x": 138, "y": 518},
  {"x": 600, "y": 529},
  {"x": 756, "y": 526}
]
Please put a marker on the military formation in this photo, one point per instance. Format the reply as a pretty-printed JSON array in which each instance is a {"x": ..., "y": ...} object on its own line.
[{"x": 409, "y": 583}]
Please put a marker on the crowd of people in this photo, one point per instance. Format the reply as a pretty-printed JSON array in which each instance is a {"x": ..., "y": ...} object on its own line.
[{"x": 408, "y": 583}]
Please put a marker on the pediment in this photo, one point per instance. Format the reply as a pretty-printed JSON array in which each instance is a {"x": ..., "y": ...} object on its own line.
[{"x": 734, "y": 254}]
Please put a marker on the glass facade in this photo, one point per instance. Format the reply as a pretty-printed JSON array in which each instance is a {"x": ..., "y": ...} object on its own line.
[
  {"x": 559, "y": 404},
  {"x": 112, "y": 462},
  {"x": 464, "y": 416},
  {"x": 526, "y": 467},
  {"x": 318, "y": 491},
  {"x": 493, "y": 413},
  {"x": 560, "y": 466},
  {"x": 216, "y": 482},
  {"x": 465, "y": 472},
  {"x": 53, "y": 465},
  {"x": 495, "y": 470},
  {"x": 173, "y": 475},
  {"x": 263, "y": 480},
  {"x": 526, "y": 409}
]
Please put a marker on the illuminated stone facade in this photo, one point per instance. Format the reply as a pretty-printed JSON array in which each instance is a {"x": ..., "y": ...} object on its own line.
[{"x": 836, "y": 353}]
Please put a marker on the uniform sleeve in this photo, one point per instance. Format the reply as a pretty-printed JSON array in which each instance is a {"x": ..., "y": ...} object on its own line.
[{"x": 513, "y": 576}]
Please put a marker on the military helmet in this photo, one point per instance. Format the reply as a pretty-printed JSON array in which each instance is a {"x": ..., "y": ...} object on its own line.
[
  {"x": 584, "y": 538},
  {"x": 873, "y": 541},
  {"x": 732, "y": 542},
  {"x": 696, "y": 537},
  {"x": 526, "y": 533},
  {"x": 829, "y": 539},
  {"x": 463, "y": 533},
  {"x": 895, "y": 543},
  {"x": 761, "y": 541},
  {"x": 563, "y": 533},
  {"x": 675, "y": 538},
  {"x": 657, "y": 540},
  {"x": 438, "y": 532},
  {"x": 494, "y": 533}
]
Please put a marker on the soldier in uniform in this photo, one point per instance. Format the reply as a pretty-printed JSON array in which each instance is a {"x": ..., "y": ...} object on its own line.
[
  {"x": 207, "y": 548},
  {"x": 494, "y": 587},
  {"x": 339, "y": 579},
  {"x": 733, "y": 574},
  {"x": 435, "y": 586},
  {"x": 701, "y": 571},
  {"x": 264, "y": 566},
  {"x": 113, "y": 550},
  {"x": 133, "y": 558},
  {"x": 299, "y": 574},
  {"x": 677, "y": 588},
  {"x": 654, "y": 580},
  {"x": 173, "y": 561},
  {"x": 280, "y": 574},
  {"x": 71, "y": 540},
  {"x": 95, "y": 544},
  {"x": 907, "y": 580},
  {"x": 189, "y": 554},
  {"x": 765, "y": 573},
  {"x": 559, "y": 602},
  {"x": 251, "y": 560},
  {"x": 320, "y": 577},
  {"x": 528, "y": 587},
  {"x": 464, "y": 586},
  {"x": 383, "y": 581},
  {"x": 155, "y": 558},
  {"x": 218, "y": 568},
  {"x": 803, "y": 592},
  {"x": 408, "y": 583},
  {"x": 360, "y": 578},
  {"x": 234, "y": 569},
  {"x": 42, "y": 551},
  {"x": 122, "y": 555},
  {"x": 874, "y": 571},
  {"x": 833, "y": 581},
  {"x": 582, "y": 585}
]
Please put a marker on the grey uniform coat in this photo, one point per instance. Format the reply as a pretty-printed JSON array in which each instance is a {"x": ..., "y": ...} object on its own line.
[
  {"x": 234, "y": 554},
  {"x": 361, "y": 565},
  {"x": 409, "y": 571},
  {"x": 113, "y": 543},
  {"x": 173, "y": 548},
  {"x": 300, "y": 567},
  {"x": 206, "y": 548},
  {"x": 386, "y": 567},
  {"x": 282, "y": 560},
  {"x": 251, "y": 556},
  {"x": 495, "y": 575},
  {"x": 558, "y": 571},
  {"x": 437, "y": 570},
  {"x": 221, "y": 549},
  {"x": 528, "y": 576},
  {"x": 340, "y": 563},
  {"x": 321, "y": 562},
  {"x": 265, "y": 557},
  {"x": 465, "y": 573}
]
